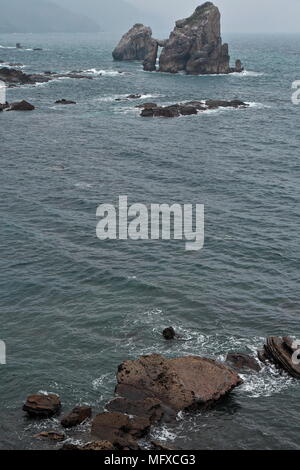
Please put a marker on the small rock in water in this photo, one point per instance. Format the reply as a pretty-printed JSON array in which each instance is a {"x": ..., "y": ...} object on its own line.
[
  {"x": 42, "y": 406},
  {"x": 21, "y": 106},
  {"x": 77, "y": 416},
  {"x": 284, "y": 353},
  {"x": 51, "y": 435},
  {"x": 134, "y": 97},
  {"x": 150, "y": 408},
  {"x": 169, "y": 333},
  {"x": 63, "y": 101},
  {"x": 242, "y": 361}
]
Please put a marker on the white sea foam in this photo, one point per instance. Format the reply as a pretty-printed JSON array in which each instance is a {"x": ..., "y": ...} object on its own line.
[{"x": 101, "y": 72}]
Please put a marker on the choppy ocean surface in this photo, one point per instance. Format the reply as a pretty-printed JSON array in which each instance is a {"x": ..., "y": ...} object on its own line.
[{"x": 73, "y": 307}]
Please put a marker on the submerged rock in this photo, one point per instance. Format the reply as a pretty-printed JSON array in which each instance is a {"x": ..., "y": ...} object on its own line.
[
  {"x": 242, "y": 361},
  {"x": 120, "y": 429},
  {"x": 42, "y": 406},
  {"x": 136, "y": 44},
  {"x": 77, "y": 416},
  {"x": 195, "y": 45},
  {"x": 63, "y": 101},
  {"x": 189, "y": 108},
  {"x": 150, "y": 408},
  {"x": 284, "y": 353},
  {"x": 21, "y": 106},
  {"x": 183, "y": 383},
  {"x": 14, "y": 77}
]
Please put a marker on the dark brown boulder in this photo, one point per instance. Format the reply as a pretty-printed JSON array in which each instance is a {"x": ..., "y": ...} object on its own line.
[
  {"x": 169, "y": 333},
  {"x": 149, "y": 64},
  {"x": 134, "y": 97},
  {"x": 284, "y": 353},
  {"x": 77, "y": 416},
  {"x": 21, "y": 106},
  {"x": 184, "y": 383},
  {"x": 119, "y": 429},
  {"x": 242, "y": 361},
  {"x": 51, "y": 436},
  {"x": 42, "y": 406},
  {"x": 150, "y": 408}
]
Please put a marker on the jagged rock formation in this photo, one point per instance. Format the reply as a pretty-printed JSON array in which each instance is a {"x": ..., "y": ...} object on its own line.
[
  {"x": 284, "y": 353},
  {"x": 195, "y": 45},
  {"x": 136, "y": 44}
]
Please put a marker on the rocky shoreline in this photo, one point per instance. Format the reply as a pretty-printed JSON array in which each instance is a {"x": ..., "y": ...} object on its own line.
[
  {"x": 194, "y": 46},
  {"x": 153, "y": 389}
]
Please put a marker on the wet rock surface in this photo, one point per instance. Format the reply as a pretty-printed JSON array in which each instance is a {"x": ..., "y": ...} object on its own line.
[
  {"x": 21, "y": 106},
  {"x": 240, "y": 361},
  {"x": 120, "y": 429},
  {"x": 13, "y": 77},
  {"x": 150, "y": 408},
  {"x": 189, "y": 108},
  {"x": 51, "y": 436},
  {"x": 283, "y": 352},
  {"x": 90, "y": 446},
  {"x": 77, "y": 416},
  {"x": 64, "y": 101},
  {"x": 183, "y": 383},
  {"x": 42, "y": 406}
]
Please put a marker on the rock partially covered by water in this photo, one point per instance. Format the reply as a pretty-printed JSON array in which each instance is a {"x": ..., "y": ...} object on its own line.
[
  {"x": 120, "y": 429},
  {"x": 150, "y": 408},
  {"x": 283, "y": 352},
  {"x": 240, "y": 361},
  {"x": 42, "y": 406},
  {"x": 21, "y": 106},
  {"x": 51, "y": 436},
  {"x": 189, "y": 108},
  {"x": 195, "y": 45},
  {"x": 77, "y": 416},
  {"x": 136, "y": 44},
  {"x": 183, "y": 383},
  {"x": 64, "y": 101}
]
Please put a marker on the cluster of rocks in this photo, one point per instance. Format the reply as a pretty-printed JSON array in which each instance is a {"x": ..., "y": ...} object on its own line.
[
  {"x": 153, "y": 389},
  {"x": 188, "y": 108},
  {"x": 194, "y": 46},
  {"x": 13, "y": 77},
  {"x": 149, "y": 390}
]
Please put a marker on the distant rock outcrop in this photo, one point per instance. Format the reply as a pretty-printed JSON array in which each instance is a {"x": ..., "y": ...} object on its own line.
[
  {"x": 136, "y": 44},
  {"x": 195, "y": 45}
]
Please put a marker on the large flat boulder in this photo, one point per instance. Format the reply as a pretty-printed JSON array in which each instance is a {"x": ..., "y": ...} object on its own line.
[{"x": 183, "y": 383}]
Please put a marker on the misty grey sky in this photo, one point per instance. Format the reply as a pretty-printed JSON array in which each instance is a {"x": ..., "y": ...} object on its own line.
[{"x": 237, "y": 15}]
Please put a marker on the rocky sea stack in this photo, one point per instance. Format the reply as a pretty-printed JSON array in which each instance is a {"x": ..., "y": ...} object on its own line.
[{"x": 194, "y": 46}]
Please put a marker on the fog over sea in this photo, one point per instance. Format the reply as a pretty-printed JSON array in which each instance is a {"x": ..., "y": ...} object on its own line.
[{"x": 74, "y": 307}]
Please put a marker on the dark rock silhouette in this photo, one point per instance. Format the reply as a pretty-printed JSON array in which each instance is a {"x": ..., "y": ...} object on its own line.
[
  {"x": 21, "y": 106},
  {"x": 189, "y": 108},
  {"x": 51, "y": 436},
  {"x": 64, "y": 101},
  {"x": 42, "y": 406},
  {"x": 169, "y": 333}
]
